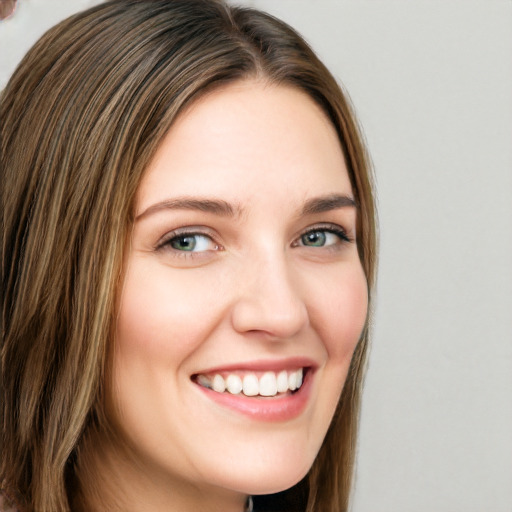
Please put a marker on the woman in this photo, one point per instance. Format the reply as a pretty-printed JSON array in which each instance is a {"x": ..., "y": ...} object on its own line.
[{"x": 189, "y": 251}]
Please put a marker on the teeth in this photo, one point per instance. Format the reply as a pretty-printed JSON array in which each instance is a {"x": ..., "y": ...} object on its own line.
[
  {"x": 203, "y": 381},
  {"x": 269, "y": 384},
  {"x": 292, "y": 381},
  {"x": 282, "y": 382},
  {"x": 234, "y": 384},
  {"x": 218, "y": 384},
  {"x": 251, "y": 385},
  {"x": 299, "y": 379}
]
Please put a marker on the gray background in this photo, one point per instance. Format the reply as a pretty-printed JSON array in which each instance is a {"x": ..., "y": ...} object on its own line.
[{"x": 432, "y": 84}]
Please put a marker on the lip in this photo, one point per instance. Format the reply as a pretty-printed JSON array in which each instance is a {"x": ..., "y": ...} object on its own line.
[
  {"x": 291, "y": 363},
  {"x": 269, "y": 409}
]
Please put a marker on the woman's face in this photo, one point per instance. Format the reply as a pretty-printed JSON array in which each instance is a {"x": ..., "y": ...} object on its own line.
[{"x": 242, "y": 279}]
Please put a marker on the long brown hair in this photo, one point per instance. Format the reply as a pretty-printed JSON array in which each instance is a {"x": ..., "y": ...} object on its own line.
[{"x": 81, "y": 118}]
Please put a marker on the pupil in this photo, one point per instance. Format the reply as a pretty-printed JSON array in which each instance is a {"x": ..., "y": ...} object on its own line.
[
  {"x": 184, "y": 243},
  {"x": 317, "y": 238}
]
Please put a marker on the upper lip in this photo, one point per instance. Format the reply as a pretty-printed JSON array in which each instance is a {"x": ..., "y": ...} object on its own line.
[{"x": 292, "y": 363}]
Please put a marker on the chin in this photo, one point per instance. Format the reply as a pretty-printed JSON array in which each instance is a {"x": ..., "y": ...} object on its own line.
[
  {"x": 269, "y": 482},
  {"x": 268, "y": 471},
  {"x": 279, "y": 483}
]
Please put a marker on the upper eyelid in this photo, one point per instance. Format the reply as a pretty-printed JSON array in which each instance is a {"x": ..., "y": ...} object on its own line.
[
  {"x": 331, "y": 227},
  {"x": 186, "y": 231},
  {"x": 326, "y": 226}
]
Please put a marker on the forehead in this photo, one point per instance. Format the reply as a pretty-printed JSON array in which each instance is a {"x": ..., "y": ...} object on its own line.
[{"x": 246, "y": 140}]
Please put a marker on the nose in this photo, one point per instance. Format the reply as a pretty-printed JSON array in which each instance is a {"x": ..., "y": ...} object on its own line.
[{"x": 268, "y": 301}]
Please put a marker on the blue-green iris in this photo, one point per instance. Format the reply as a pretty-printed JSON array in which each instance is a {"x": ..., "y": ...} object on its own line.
[
  {"x": 184, "y": 243},
  {"x": 314, "y": 239}
]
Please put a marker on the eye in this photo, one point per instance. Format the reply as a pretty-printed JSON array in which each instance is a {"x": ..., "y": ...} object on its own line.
[
  {"x": 189, "y": 243},
  {"x": 323, "y": 237}
]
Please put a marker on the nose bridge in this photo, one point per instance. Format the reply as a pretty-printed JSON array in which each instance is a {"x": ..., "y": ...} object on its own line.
[{"x": 268, "y": 297}]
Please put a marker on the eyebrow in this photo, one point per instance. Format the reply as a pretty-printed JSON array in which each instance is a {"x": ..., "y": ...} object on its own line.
[
  {"x": 223, "y": 208},
  {"x": 327, "y": 203},
  {"x": 215, "y": 206}
]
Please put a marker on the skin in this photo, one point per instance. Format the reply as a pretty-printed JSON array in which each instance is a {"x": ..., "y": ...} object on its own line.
[{"x": 255, "y": 289}]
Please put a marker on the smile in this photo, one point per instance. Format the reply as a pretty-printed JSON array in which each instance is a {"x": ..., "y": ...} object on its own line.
[
  {"x": 253, "y": 384},
  {"x": 262, "y": 391}
]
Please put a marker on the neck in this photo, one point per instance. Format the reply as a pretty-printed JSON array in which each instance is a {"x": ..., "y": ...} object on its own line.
[{"x": 110, "y": 480}]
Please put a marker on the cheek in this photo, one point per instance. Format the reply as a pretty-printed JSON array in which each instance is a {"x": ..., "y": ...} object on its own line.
[
  {"x": 340, "y": 313},
  {"x": 163, "y": 317},
  {"x": 159, "y": 314}
]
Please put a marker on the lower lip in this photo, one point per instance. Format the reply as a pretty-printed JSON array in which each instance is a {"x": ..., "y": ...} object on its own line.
[{"x": 280, "y": 408}]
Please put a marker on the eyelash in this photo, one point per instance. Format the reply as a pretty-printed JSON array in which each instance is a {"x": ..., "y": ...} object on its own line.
[
  {"x": 165, "y": 243},
  {"x": 326, "y": 228}
]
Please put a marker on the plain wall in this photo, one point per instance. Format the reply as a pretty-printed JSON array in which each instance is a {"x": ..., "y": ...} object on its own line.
[{"x": 431, "y": 81}]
